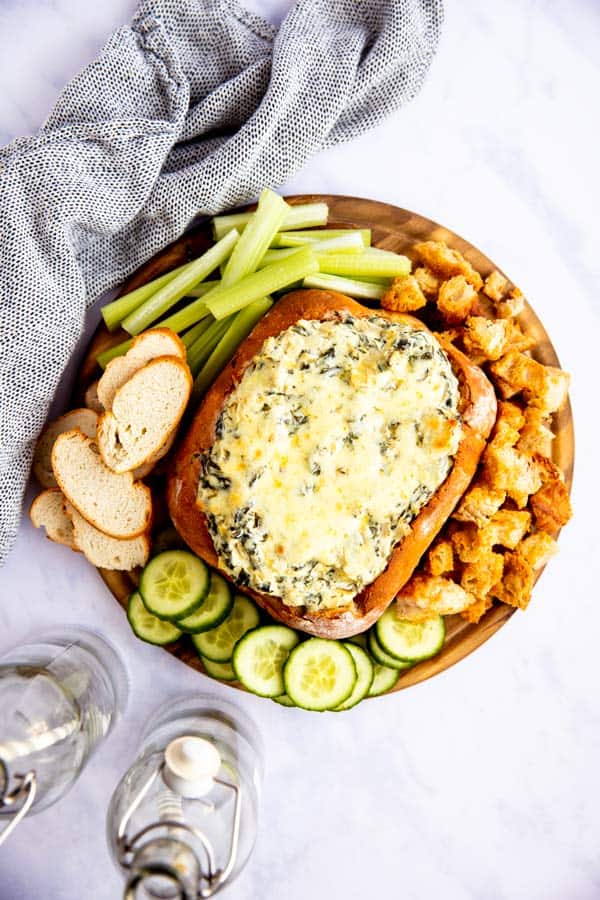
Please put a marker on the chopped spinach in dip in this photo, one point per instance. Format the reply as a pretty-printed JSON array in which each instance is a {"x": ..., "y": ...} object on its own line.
[{"x": 336, "y": 436}]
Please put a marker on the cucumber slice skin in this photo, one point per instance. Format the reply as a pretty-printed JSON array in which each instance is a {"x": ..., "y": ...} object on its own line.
[
  {"x": 384, "y": 679},
  {"x": 169, "y": 609},
  {"x": 221, "y": 671},
  {"x": 365, "y": 672},
  {"x": 283, "y": 700},
  {"x": 300, "y": 656},
  {"x": 206, "y": 641},
  {"x": 396, "y": 636},
  {"x": 244, "y": 657},
  {"x": 213, "y": 610},
  {"x": 148, "y": 627},
  {"x": 385, "y": 659}
]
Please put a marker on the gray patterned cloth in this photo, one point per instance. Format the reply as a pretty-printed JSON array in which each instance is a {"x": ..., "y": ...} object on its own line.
[{"x": 191, "y": 109}]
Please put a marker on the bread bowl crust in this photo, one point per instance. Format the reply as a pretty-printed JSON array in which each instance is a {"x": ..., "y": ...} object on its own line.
[{"x": 478, "y": 410}]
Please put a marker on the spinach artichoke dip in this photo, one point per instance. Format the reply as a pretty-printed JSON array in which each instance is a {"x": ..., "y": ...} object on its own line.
[{"x": 336, "y": 436}]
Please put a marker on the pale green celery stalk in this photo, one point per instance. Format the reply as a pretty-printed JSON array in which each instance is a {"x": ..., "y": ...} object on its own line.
[
  {"x": 114, "y": 313},
  {"x": 186, "y": 317},
  {"x": 226, "y": 300},
  {"x": 203, "y": 288},
  {"x": 105, "y": 357},
  {"x": 195, "y": 331},
  {"x": 298, "y": 238},
  {"x": 362, "y": 290},
  {"x": 241, "y": 326},
  {"x": 387, "y": 265},
  {"x": 256, "y": 237},
  {"x": 373, "y": 279},
  {"x": 273, "y": 256},
  {"x": 201, "y": 349},
  {"x": 303, "y": 215},
  {"x": 167, "y": 296}
]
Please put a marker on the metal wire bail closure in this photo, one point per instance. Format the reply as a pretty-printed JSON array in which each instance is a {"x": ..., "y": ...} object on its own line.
[{"x": 23, "y": 792}]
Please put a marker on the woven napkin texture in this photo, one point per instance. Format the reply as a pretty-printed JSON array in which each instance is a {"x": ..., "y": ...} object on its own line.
[{"x": 191, "y": 109}]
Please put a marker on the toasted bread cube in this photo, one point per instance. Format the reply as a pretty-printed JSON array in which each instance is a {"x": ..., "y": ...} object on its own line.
[
  {"x": 517, "y": 581},
  {"x": 507, "y": 528},
  {"x": 509, "y": 470},
  {"x": 544, "y": 387},
  {"x": 440, "y": 558},
  {"x": 427, "y": 595},
  {"x": 456, "y": 299},
  {"x": 446, "y": 262},
  {"x": 404, "y": 295},
  {"x": 510, "y": 306},
  {"x": 470, "y": 542},
  {"x": 495, "y": 286},
  {"x": 477, "y": 610},
  {"x": 551, "y": 507},
  {"x": 537, "y": 549},
  {"x": 478, "y": 578},
  {"x": 427, "y": 281},
  {"x": 515, "y": 338},
  {"x": 536, "y": 434},
  {"x": 508, "y": 422},
  {"x": 451, "y": 335},
  {"x": 484, "y": 338},
  {"x": 551, "y": 394},
  {"x": 479, "y": 504}
]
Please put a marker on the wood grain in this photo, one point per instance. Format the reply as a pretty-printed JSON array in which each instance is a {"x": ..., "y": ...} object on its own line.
[{"x": 392, "y": 229}]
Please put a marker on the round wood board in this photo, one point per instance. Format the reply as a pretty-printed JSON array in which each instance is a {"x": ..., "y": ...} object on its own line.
[{"x": 392, "y": 229}]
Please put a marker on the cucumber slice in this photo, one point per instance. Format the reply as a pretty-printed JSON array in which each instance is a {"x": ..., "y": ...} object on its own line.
[
  {"x": 359, "y": 639},
  {"x": 147, "y": 626},
  {"x": 218, "y": 643},
  {"x": 174, "y": 584},
  {"x": 365, "y": 674},
  {"x": 283, "y": 700},
  {"x": 383, "y": 658},
  {"x": 222, "y": 671},
  {"x": 259, "y": 658},
  {"x": 319, "y": 674},
  {"x": 410, "y": 641},
  {"x": 384, "y": 680},
  {"x": 214, "y": 609}
]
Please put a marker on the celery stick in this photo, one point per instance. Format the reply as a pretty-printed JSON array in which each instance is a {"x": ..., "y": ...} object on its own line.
[
  {"x": 256, "y": 237},
  {"x": 201, "y": 349},
  {"x": 389, "y": 265},
  {"x": 273, "y": 256},
  {"x": 241, "y": 326},
  {"x": 359, "y": 289},
  {"x": 351, "y": 242},
  {"x": 114, "y": 313},
  {"x": 105, "y": 357},
  {"x": 171, "y": 293},
  {"x": 226, "y": 300},
  {"x": 303, "y": 215},
  {"x": 195, "y": 331},
  {"x": 297, "y": 238},
  {"x": 203, "y": 288},
  {"x": 186, "y": 317}
]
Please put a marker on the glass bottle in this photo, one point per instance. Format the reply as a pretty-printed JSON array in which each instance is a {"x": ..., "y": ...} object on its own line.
[
  {"x": 182, "y": 821},
  {"x": 59, "y": 697}
]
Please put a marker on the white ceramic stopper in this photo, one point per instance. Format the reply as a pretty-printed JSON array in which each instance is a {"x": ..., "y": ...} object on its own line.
[{"x": 191, "y": 764}]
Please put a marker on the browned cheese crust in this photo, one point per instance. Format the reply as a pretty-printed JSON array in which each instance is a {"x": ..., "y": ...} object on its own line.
[{"x": 478, "y": 411}]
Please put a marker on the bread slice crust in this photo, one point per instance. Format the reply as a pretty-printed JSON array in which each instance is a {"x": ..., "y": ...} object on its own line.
[{"x": 478, "y": 411}]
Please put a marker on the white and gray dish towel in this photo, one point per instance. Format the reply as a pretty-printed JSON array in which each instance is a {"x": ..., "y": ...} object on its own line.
[{"x": 191, "y": 109}]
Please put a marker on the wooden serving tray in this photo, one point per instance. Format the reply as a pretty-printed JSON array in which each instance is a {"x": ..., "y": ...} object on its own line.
[{"x": 392, "y": 229}]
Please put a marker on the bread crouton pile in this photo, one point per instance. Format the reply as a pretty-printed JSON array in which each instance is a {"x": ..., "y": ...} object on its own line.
[
  {"x": 91, "y": 461},
  {"x": 504, "y": 529}
]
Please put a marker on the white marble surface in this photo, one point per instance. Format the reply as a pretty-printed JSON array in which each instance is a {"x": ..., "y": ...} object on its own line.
[{"x": 482, "y": 783}]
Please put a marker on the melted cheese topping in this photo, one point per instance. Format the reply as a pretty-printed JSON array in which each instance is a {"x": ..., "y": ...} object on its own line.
[{"x": 337, "y": 435}]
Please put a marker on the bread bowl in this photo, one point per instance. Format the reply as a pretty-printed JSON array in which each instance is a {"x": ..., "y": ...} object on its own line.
[{"x": 477, "y": 407}]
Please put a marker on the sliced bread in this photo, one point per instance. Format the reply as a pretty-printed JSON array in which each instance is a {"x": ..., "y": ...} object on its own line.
[
  {"x": 47, "y": 511},
  {"x": 146, "y": 411},
  {"x": 116, "y": 504},
  {"x": 146, "y": 346},
  {"x": 91, "y": 398},
  {"x": 108, "y": 552},
  {"x": 84, "y": 419}
]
